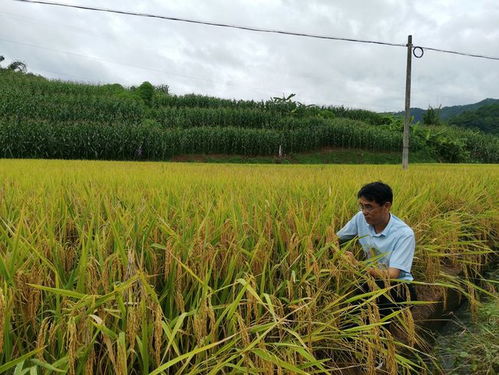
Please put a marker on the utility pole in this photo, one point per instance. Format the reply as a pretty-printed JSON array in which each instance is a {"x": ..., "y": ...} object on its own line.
[{"x": 405, "y": 147}]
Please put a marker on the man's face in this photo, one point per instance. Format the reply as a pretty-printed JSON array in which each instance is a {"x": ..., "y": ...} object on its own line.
[{"x": 373, "y": 212}]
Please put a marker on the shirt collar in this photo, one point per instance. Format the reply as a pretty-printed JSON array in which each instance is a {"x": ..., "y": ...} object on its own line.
[{"x": 385, "y": 231}]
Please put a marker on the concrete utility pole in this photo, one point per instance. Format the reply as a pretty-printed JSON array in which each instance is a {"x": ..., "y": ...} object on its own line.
[{"x": 405, "y": 147}]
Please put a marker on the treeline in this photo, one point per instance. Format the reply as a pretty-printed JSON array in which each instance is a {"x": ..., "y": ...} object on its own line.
[{"x": 51, "y": 119}]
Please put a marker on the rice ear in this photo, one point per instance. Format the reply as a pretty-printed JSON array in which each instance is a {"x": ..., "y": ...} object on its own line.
[
  {"x": 2, "y": 317},
  {"x": 158, "y": 332}
]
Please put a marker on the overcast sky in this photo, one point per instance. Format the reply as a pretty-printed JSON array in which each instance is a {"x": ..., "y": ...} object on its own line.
[{"x": 87, "y": 46}]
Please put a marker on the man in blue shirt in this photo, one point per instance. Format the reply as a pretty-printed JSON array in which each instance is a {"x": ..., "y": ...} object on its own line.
[{"x": 385, "y": 237}]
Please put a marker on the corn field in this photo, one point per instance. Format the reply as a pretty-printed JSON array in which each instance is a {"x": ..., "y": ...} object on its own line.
[
  {"x": 51, "y": 119},
  {"x": 137, "y": 268}
]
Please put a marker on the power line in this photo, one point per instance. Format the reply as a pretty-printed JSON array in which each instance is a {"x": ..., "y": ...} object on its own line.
[
  {"x": 212, "y": 23},
  {"x": 457, "y": 53},
  {"x": 260, "y": 90},
  {"x": 50, "y": 24},
  {"x": 255, "y": 29}
]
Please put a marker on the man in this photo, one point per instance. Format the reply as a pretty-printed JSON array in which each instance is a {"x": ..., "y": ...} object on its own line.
[{"x": 385, "y": 237}]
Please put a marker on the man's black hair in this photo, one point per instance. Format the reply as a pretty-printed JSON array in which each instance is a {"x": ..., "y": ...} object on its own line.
[{"x": 377, "y": 192}]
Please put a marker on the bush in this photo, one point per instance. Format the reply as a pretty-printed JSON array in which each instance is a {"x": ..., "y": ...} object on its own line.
[{"x": 146, "y": 92}]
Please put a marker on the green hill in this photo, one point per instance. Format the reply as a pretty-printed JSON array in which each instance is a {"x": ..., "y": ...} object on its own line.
[
  {"x": 40, "y": 118},
  {"x": 446, "y": 113},
  {"x": 485, "y": 118}
]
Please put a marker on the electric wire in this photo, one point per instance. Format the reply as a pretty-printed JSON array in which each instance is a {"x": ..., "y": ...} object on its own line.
[
  {"x": 247, "y": 28},
  {"x": 457, "y": 53},
  {"x": 255, "y": 29}
]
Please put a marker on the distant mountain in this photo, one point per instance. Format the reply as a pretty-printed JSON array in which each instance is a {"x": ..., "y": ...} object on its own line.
[{"x": 446, "y": 113}]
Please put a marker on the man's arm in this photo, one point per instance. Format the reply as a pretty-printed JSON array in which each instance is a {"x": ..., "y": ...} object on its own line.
[
  {"x": 378, "y": 273},
  {"x": 349, "y": 231},
  {"x": 403, "y": 255}
]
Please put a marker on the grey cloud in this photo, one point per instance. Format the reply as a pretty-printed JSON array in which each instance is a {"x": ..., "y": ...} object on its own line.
[{"x": 242, "y": 64}]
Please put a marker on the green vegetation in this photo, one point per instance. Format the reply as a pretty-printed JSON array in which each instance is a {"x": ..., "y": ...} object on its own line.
[
  {"x": 339, "y": 156},
  {"x": 455, "y": 110},
  {"x": 52, "y": 119},
  {"x": 446, "y": 113},
  {"x": 325, "y": 156},
  {"x": 432, "y": 116},
  {"x": 146, "y": 93},
  {"x": 15, "y": 66},
  {"x": 485, "y": 118},
  {"x": 473, "y": 345},
  {"x": 457, "y": 145}
]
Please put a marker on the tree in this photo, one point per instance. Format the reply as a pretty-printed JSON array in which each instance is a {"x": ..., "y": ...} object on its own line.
[
  {"x": 165, "y": 89},
  {"x": 16, "y": 66},
  {"x": 146, "y": 92},
  {"x": 432, "y": 116}
]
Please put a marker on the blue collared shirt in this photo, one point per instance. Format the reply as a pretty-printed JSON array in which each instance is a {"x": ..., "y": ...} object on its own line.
[{"x": 394, "y": 245}]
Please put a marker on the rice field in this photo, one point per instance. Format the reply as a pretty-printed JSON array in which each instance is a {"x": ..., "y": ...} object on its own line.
[{"x": 136, "y": 268}]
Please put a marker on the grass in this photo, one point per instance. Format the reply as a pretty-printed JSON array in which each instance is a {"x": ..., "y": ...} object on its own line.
[
  {"x": 122, "y": 267},
  {"x": 346, "y": 156},
  {"x": 325, "y": 156}
]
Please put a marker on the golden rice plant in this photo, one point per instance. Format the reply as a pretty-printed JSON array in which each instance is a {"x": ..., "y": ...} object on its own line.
[{"x": 136, "y": 268}]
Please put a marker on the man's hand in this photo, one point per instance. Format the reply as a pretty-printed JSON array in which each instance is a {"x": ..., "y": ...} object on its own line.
[
  {"x": 390, "y": 273},
  {"x": 351, "y": 258}
]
